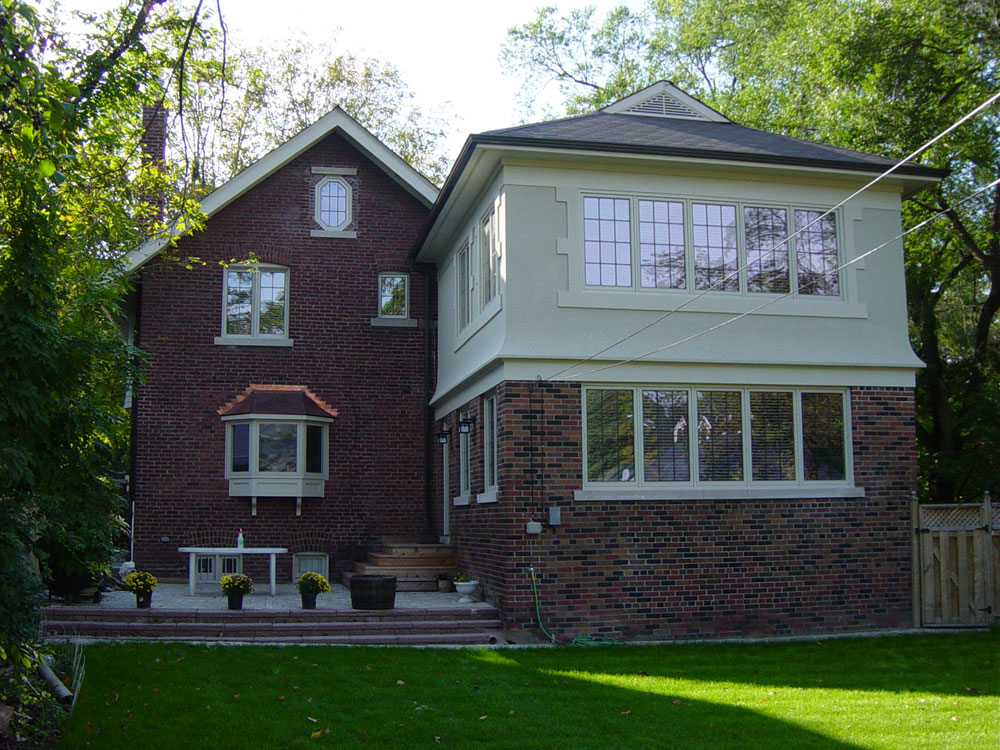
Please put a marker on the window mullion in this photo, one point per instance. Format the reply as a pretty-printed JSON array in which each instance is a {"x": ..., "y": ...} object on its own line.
[
  {"x": 255, "y": 302},
  {"x": 799, "y": 440},
  {"x": 638, "y": 449},
  {"x": 747, "y": 436},
  {"x": 741, "y": 250}
]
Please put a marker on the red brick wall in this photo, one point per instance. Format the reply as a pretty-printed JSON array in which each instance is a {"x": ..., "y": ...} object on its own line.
[
  {"x": 690, "y": 568},
  {"x": 372, "y": 375}
]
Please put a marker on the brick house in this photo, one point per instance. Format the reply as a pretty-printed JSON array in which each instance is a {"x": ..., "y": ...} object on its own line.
[{"x": 650, "y": 281}]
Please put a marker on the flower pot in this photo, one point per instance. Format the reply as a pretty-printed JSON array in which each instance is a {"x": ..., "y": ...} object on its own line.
[
  {"x": 445, "y": 586},
  {"x": 142, "y": 601},
  {"x": 373, "y": 592},
  {"x": 309, "y": 600},
  {"x": 235, "y": 601},
  {"x": 466, "y": 587}
]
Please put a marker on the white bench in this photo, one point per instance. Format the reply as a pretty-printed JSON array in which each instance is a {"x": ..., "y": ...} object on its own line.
[{"x": 220, "y": 552}]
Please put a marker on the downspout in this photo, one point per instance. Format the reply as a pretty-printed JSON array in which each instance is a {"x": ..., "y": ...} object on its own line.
[{"x": 427, "y": 270}]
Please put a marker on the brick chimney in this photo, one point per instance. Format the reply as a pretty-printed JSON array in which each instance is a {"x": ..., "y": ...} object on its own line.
[{"x": 154, "y": 133}]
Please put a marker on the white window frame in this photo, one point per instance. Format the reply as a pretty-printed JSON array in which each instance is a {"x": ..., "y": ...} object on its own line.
[
  {"x": 491, "y": 463},
  {"x": 322, "y": 557},
  {"x": 489, "y": 256},
  {"x": 406, "y": 295},
  {"x": 465, "y": 284},
  {"x": 464, "y": 461},
  {"x": 334, "y": 175},
  {"x": 255, "y": 337},
  {"x": 638, "y": 481},
  {"x": 689, "y": 288},
  {"x": 257, "y": 483}
]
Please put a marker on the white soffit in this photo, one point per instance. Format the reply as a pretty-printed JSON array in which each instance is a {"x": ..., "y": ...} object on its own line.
[
  {"x": 336, "y": 119},
  {"x": 663, "y": 99}
]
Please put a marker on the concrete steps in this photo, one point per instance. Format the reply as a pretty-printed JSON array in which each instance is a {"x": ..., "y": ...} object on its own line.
[
  {"x": 414, "y": 561},
  {"x": 440, "y": 626}
]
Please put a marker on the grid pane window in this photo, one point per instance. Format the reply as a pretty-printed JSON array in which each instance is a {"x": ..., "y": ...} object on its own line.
[
  {"x": 490, "y": 251},
  {"x": 823, "y": 436},
  {"x": 816, "y": 253},
  {"x": 464, "y": 287},
  {"x": 610, "y": 444},
  {"x": 607, "y": 236},
  {"x": 720, "y": 436},
  {"x": 716, "y": 253},
  {"x": 239, "y": 303},
  {"x": 661, "y": 244},
  {"x": 333, "y": 200},
  {"x": 277, "y": 446},
  {"x": 772, "y": 436},
  {"x": 489, "y": 440},
  {"x": 666, "y": 448},
  {"x": 272, "y": 303},
  {"x": 392, "y": 295},
  {"x": 765, "y": 231}
]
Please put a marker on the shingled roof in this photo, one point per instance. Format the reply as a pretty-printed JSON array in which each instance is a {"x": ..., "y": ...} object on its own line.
[{"x": 289, "y": 400}]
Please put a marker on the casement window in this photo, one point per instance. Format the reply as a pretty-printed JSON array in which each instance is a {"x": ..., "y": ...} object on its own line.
[
  {"x": 464, "y": 458},
  {"x": 279, "y": 456},
  {"x": 465, "y": 286},
  {"x": 690, "y": 245},
  {"x": 489, "y": 252},
  {"x": 715, "y": 436},
  {"x": 393, "y": 295},
  {"x": 254, "y": 304},
  {"x": 490, "y": 443}
]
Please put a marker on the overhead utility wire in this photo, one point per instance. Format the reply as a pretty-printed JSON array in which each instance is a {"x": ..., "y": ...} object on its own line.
[
  {"x": 726, "y": 322},
  {"x": 787, "y": 239}
]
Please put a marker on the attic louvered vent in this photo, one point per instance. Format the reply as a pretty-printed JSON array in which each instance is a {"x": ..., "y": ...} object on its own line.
[{"x": 663, "y": 105}]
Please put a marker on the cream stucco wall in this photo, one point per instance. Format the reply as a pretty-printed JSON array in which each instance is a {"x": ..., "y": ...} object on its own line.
[{"x": 545, "y": 319}]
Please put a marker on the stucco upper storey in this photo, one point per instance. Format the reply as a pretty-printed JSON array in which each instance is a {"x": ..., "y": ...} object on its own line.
[{"x": 675, "y": 248}]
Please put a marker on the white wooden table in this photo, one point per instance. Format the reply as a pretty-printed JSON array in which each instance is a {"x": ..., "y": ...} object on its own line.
[{"x": 219, "y": 552}]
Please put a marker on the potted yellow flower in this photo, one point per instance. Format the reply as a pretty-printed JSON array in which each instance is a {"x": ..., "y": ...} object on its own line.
[
  {"x": 310, "y": 585},
  {"x": 235, "y": 587},
  {"x": 141, "y": 584}
]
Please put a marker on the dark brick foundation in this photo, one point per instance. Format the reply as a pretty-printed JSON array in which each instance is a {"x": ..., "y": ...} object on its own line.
[{"x": 688, "y": 568}]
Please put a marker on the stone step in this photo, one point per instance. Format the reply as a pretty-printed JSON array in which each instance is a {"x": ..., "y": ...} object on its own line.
[
  {"x": 260, "y": 629},
  {"x": 476, "y": 638},
  {"x": 442, "y": 562},
  {"x": 76, "y": 614}
]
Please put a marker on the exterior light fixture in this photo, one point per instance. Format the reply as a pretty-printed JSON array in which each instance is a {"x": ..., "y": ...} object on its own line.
[
  {"x": 443, "y": 436},
  {"x": 465, "y": 425}
]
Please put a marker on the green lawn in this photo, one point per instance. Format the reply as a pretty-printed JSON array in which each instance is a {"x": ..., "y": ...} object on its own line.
[{"x": 923, "y": 691}]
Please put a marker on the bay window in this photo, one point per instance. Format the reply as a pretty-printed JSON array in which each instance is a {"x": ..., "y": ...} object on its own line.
[
  {"x": 276, "y": 456},
  {"x": 715, "y": 436}
]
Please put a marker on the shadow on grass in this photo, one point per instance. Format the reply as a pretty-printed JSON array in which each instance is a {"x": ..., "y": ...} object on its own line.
[{"x": 177, "y": 696}]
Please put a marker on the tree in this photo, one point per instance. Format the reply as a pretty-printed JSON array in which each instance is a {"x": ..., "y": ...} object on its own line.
[
  {"x": 75, "y": 196},
  {"x": 876, "y": 75},
  {"x": 236, "y": 108}
]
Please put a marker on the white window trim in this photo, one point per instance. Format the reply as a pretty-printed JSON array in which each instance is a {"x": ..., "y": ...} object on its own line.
[
  {"x": 254, "y": 338},
  {"x": 406, "y": 294},
  {"x": 745, "y": 488},
  {"x": 333, "y": 175},
  {"x": 296, "y": 556},
  {"x": 298, "y": 483},
  {"x": 490, "y": 430},
  {"x": 464, "y": 462},
  {"x": 689, "y": 288},
  {"x": 489, "y": 256}
]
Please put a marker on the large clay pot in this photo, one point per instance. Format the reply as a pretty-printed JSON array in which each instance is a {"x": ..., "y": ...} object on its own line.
[
  {"x": 235, "y": 601},
  {"x": 308, "y": 600},
  {"x": 143, "y": 601}
]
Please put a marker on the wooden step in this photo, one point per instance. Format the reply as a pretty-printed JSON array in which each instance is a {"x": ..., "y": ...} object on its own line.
[
  {"x": 411, "y": 549},
  {"x": 442, "y": 562},
  {"x": 407, "y": 579}
]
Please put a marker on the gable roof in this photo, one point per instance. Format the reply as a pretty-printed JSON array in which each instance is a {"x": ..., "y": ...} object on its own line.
[
  {"x": 662, "y": 121},
  {"x": 336, "y": 120}
]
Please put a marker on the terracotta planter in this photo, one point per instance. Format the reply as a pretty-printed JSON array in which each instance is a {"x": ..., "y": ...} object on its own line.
[
  {"x": 143, "y": 601},
  {"x": 308, "y": 600},
  {"x": 235, "y": 601}
]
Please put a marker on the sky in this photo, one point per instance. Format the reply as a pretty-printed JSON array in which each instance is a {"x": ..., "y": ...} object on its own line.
[{"x": 446, "y": 50}]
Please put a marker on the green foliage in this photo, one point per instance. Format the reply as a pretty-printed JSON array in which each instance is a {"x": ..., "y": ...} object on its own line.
[
  {"x": 882, "y": 76},
  {"x": 75, "y": 197}
]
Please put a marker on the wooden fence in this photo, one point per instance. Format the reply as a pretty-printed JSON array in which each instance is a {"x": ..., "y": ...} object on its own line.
[{"x": 958, "y": 555}]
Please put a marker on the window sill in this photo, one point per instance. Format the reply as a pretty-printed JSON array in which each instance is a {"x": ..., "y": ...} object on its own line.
[
  {"x": 490, "y": 496},
  {"x": 718, "y": 493},
  {"x": 342, "y": 234},
  {"x": 490, "y": 311},
  {"x": 251, "y": 341},
  {"x": 394, "y": 322},
  {"x": 460, "y": 500}
]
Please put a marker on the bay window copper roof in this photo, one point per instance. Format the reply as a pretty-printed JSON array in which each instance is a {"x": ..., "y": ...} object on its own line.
[{"x": 292, "y": 400}]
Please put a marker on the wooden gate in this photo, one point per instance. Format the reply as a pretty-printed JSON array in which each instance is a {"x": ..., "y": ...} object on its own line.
[{"x": 959, "y": 551}]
